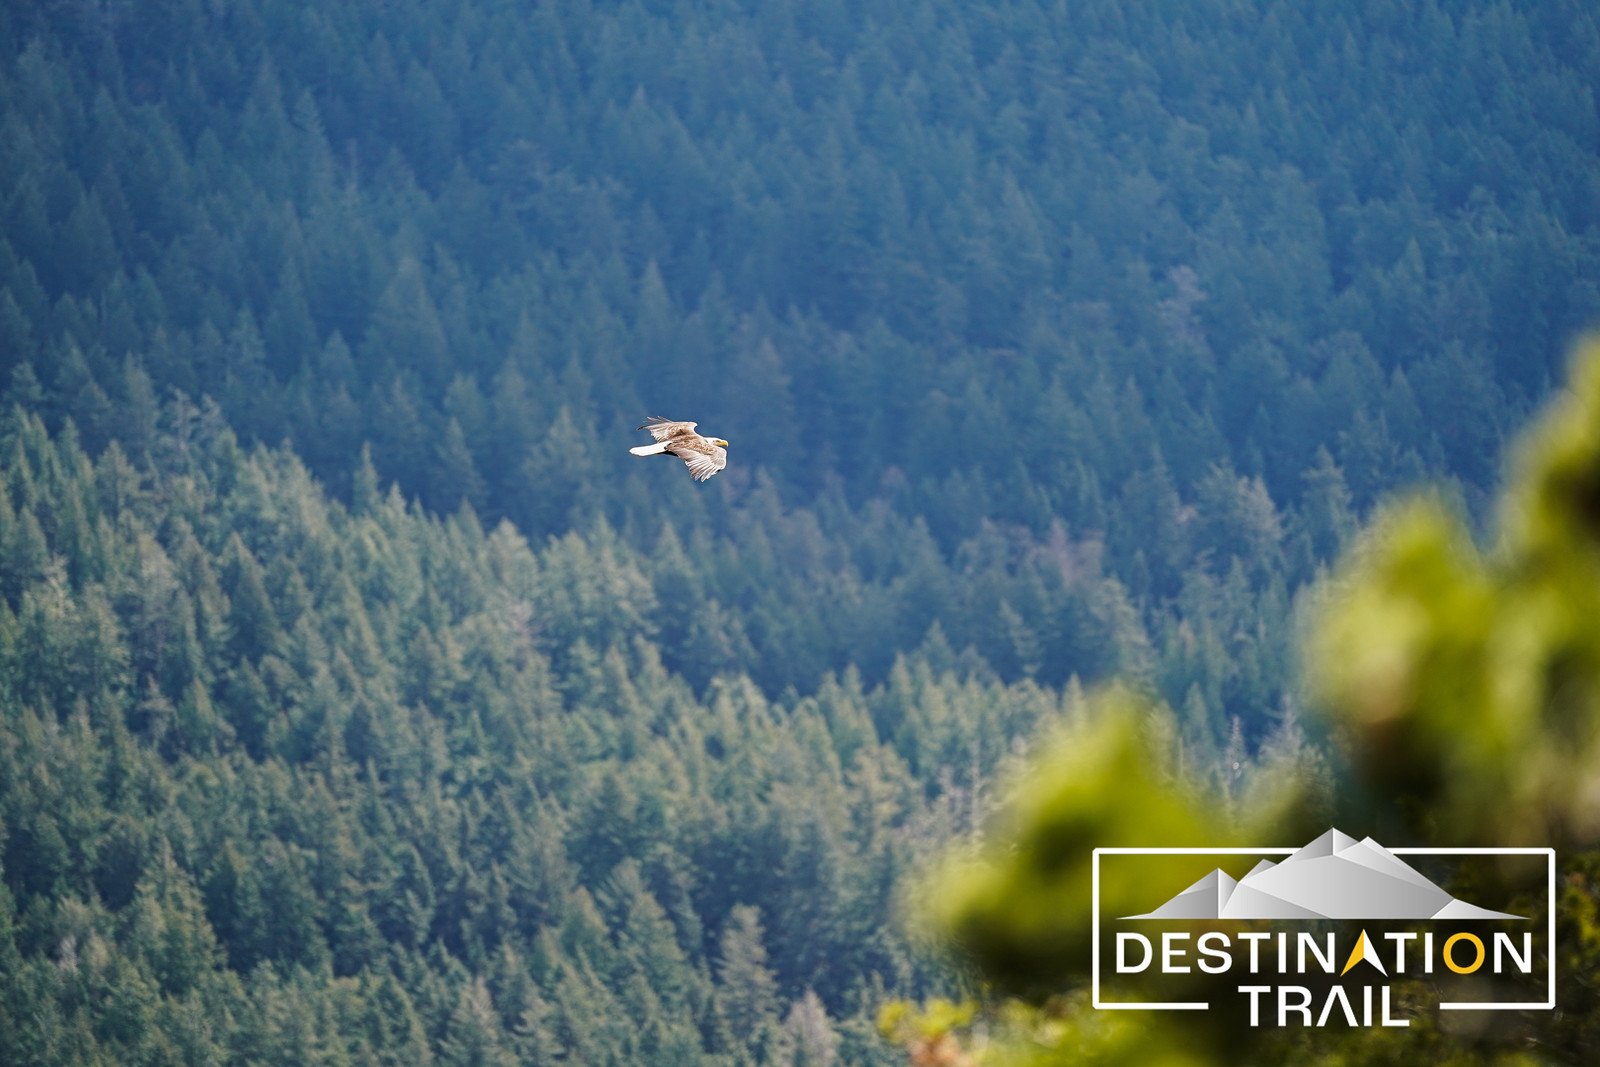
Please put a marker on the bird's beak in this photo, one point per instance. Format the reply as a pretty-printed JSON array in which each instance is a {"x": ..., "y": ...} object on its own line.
[{"x": 721, "y": 442}]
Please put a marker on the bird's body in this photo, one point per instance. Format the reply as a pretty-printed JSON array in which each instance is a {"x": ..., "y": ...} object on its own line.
[{"x": 704, "y": 456}]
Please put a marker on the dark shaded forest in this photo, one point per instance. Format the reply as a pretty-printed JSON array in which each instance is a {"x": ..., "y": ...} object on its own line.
[{"x": 365, "y": 702}]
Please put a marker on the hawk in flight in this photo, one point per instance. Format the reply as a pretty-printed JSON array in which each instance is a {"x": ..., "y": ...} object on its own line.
[{"x": 704, "y": 455}]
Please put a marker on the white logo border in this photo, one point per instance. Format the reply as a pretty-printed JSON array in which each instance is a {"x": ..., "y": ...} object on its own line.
[{"x": 1199, "y": 1005}]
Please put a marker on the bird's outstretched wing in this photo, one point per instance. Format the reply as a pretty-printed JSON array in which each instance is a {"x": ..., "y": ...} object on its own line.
[
  {"x": 661, "y": 429},
  {"x": 703, "y": 458}
]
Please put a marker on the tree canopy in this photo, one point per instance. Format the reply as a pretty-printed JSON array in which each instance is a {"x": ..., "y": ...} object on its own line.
[{"x": 362, "y": 700}]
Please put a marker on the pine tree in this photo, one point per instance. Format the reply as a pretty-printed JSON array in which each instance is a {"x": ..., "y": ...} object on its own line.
[
  {"x": 251, "y": 614},
  {"x": 747, "y": 991},
  {"x": 473, "y": 1036},
  {"x": 406, "y": 334}
]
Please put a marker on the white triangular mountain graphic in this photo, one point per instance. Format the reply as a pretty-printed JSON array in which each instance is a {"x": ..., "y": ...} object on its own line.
[{"x": 1332, "y": 877}]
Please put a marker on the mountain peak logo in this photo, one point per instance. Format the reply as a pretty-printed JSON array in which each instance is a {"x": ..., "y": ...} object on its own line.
[
  {"x": 1325, "y": 932},
  {"x": 1332, "y": 877}
]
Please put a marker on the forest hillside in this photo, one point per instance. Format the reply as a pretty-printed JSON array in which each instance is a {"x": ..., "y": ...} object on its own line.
[{"x": 363, "y": 699}]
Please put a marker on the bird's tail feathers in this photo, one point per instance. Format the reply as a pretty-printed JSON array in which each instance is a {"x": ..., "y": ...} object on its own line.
[{"x": 649, "y": 450}]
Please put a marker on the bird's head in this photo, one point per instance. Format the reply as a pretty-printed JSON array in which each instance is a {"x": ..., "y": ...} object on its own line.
[{"x": 719, "y": 441}]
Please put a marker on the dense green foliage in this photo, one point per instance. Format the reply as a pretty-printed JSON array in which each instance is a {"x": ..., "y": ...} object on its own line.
[
  {"x": 1055, "y": 343},
  {"x": 966, "y": 288},
  {"x": 1468, "y": 686},
  {"x": 286, "y": 782}
]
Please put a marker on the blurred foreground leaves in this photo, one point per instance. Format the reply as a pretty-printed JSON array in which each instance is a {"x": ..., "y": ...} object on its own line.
[{"x": 1462, "y": 689}]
